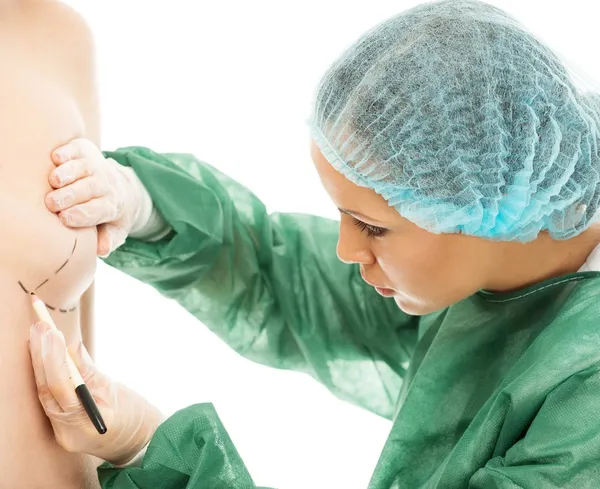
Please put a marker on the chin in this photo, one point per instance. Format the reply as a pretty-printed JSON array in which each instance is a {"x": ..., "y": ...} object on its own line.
[{"x": 414, "y": 308}]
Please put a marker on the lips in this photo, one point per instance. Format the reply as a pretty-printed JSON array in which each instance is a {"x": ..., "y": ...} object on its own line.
[{"x": 384, "y": 291}]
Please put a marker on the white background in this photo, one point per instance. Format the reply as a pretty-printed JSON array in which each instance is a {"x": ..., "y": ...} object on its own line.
[{"x": 232, "y": 82}]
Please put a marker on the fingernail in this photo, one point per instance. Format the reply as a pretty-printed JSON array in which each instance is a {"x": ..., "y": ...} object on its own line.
[
  {"x": 49, "y": 199},
  {"x": 64, "y": 198},
  {"x": 67, "y": 218},
  {"x": 61, "y": 155},
  {"x": 58, "y": 202},
  {"x": 106, "y": 246},
  {"x": 40, "y": 328},
  {"x": 47, "y": 344},
  {"x": 62, "y": 177}
]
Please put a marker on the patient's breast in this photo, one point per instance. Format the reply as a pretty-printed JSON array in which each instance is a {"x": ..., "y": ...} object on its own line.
[{"x": 57, "y": 262}]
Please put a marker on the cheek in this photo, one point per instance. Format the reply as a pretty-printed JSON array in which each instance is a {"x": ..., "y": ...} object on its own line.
[
  {"x": 428, "y": 275},
  {"x": 424, "y": 285},
  {"x": 406, "y": 267}
]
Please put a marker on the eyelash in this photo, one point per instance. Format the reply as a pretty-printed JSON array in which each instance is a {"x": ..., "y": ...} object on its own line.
[{"x": 372, "y": 231}]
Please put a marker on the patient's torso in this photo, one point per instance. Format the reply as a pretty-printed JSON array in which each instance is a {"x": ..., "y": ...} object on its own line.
[{"x": 37, "y": 113}]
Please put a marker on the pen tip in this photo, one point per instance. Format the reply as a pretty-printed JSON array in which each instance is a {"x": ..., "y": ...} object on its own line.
[{"x": 34, "y": 297}]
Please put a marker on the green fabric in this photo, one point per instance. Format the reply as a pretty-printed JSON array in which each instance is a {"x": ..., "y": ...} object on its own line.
[
  {"x": 502, "y": 390},
  {"x": 192, "y": 450}
]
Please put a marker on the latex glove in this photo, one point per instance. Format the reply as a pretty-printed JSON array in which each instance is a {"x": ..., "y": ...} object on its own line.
[
  {"x": 130, "y": 420},
  {"x": 91, "y": 190}
]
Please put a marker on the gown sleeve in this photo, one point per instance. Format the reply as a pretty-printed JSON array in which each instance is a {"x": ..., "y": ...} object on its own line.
[{"x": 269, "y": 285}]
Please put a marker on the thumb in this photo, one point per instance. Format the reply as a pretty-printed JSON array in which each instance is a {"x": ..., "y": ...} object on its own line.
[
  {"x": 104, "y": 241},
  {"x": 110, "y": 237},
  {"x": 82, "y": 360},
  {"x": 58, "y": 374}
]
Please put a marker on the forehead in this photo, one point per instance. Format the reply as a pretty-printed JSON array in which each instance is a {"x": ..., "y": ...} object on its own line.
[{"x": 347, "y": 195}]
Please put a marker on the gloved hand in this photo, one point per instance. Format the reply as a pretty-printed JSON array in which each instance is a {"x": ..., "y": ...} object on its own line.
[
  {"x": 130, "y": 419},
  {"x": 94, "y": 191}
]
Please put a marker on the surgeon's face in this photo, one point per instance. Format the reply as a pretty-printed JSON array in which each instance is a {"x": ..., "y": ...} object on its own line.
[{"x": 421, "y": 271}]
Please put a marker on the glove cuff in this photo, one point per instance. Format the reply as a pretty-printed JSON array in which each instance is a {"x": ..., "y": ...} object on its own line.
[
  {"x": 135, "y": 461},
  {"x": 148, "y": 224}
]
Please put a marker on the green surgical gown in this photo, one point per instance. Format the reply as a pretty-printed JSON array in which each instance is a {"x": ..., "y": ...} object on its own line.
[{"x": 496, "y": 391}]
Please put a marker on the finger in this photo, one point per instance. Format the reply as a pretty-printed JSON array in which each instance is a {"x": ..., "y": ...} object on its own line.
[
  {"x": 35, "y": 349},
  {"x": 79, "y": 192},
  {"x": 58, "y": 375},
  {"x": 82, "y": 360},
  {"x": 117, "y": 237},
  {"x": 69, "y": 172},
  {"x": 60, "y": 199},
  {"x": 81, "y": 357},
  {"x": 72, "y": 150},
  {"x": 104, "y": 244},
  {"x": 109, "y": 239},
  {"x": 92, "y": 213},
  {"x": 99, "y": 385}
]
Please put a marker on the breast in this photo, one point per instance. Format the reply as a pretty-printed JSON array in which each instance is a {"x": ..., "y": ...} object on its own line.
[{"x": 36, "y": 116}]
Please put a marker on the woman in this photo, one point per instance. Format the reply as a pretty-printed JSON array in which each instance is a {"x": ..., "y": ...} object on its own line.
[
  {"x": 465, "y": 166},
  {"x": 47, "y": 97}
]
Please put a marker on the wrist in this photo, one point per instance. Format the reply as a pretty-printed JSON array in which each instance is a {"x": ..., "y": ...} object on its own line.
[
  {"x": 147, "y": 224},
  {"x": 147, "y": 421},
  {"x": 135, "y": 212},
  {"x": 135, "y": 461}
]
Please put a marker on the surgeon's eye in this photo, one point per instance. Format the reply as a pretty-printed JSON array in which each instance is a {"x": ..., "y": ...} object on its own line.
[{"x": 372, "y": 231}]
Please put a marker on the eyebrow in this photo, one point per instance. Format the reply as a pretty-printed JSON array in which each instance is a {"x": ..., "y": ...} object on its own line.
[{"x": 358, "y": 214}]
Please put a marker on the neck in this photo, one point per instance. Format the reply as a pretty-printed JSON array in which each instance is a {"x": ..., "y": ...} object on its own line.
[{"x": 524, "y": 264}]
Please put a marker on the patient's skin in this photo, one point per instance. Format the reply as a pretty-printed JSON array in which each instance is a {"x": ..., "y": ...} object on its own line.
[{"x": 46, "y": 98}]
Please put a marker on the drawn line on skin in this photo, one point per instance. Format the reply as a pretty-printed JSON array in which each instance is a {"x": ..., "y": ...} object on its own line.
[
  {"x": 47, "y": 305},
  {"x": 42, "y": 283},
  {"x": 63, "y": 265},
  {"x": 64, "y": 311}
]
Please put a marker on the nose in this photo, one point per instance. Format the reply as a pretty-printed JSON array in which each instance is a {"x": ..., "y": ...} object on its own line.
[{"x": 353, "y": 245}]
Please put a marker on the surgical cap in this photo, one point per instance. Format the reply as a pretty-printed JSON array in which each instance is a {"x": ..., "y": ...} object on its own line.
[{"x": 465, "y": 123}]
